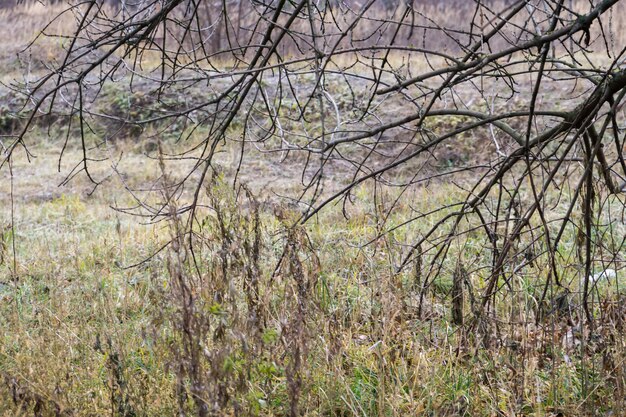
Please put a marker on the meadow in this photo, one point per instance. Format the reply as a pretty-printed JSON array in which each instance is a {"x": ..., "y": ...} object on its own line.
[
  {"x": 256, "y": 313},
  {"x": 94, "y": 320}
]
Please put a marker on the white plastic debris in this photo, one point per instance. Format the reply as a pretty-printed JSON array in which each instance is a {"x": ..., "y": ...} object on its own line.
[{"x": 606, "y": 274}]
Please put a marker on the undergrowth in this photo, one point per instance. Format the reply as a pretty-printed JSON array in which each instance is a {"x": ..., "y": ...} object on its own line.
[{"x": 254, "y": 314}]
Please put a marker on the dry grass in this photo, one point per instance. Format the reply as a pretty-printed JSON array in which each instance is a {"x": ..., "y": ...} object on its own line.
[
  {"x": 23, "y": 23},
  {"x": 332, "y": 331}
]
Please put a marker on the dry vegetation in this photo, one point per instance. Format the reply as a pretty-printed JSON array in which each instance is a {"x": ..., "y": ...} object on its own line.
[
  {"x": 282, "y": 317},
  {"x": 102, "y": 313}
]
